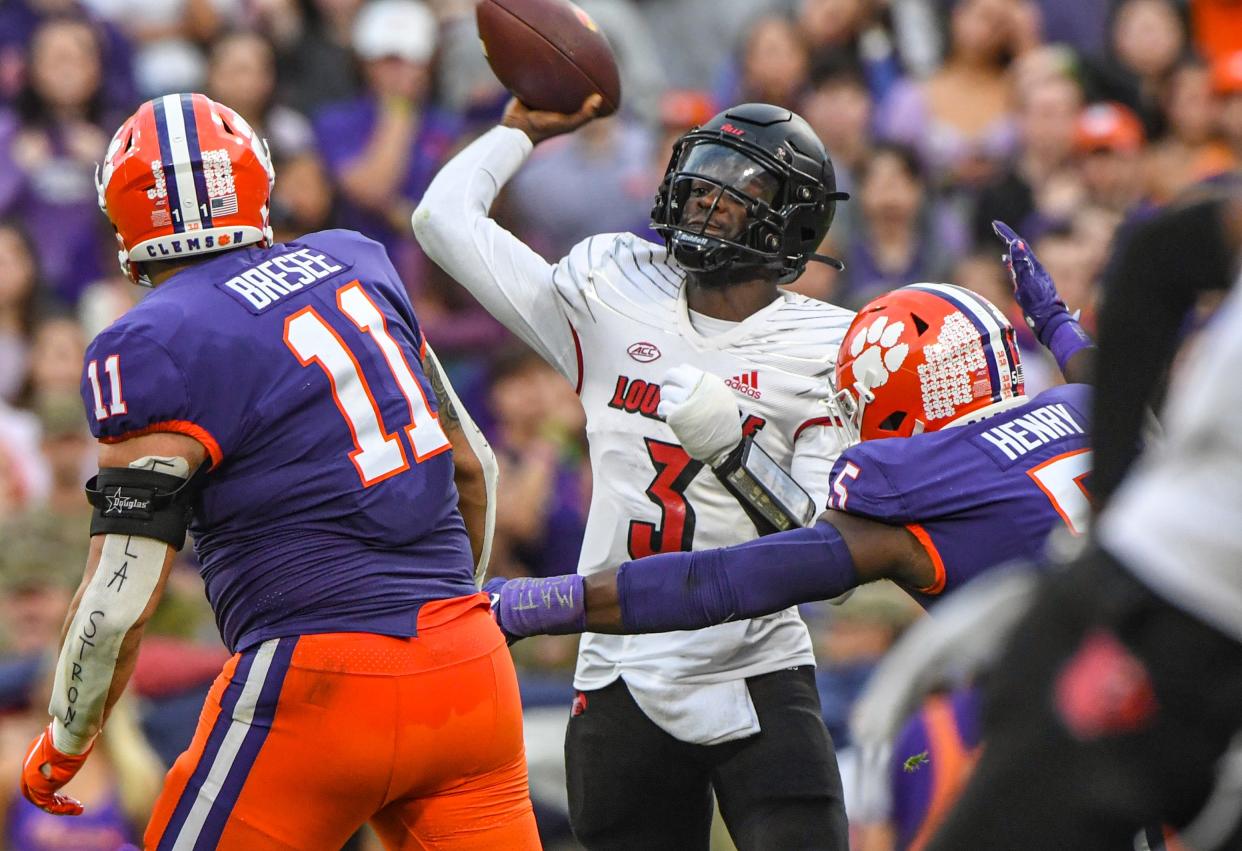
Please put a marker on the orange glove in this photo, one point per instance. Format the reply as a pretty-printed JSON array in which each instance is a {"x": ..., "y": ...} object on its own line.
[{"x": 40, "y": 785}]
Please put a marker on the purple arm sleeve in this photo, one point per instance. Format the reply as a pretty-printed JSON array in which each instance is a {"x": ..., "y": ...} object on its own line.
[
  {"x": 675, "y": 591},
  {"x": 552, "y": 605},
  {"x": 1066, "y": 339}
]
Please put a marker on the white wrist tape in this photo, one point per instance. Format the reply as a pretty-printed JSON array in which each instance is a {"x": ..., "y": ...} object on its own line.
[
  {"x": 129, "y": 571},
  {"x": 702, "y": 413}
]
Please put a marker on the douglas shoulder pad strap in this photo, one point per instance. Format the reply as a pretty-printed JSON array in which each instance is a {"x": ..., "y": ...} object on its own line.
[{"x": 130, "y": 501}]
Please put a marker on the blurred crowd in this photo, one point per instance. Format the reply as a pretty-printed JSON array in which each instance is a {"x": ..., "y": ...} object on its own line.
[{"x": 1067, "y": 120}]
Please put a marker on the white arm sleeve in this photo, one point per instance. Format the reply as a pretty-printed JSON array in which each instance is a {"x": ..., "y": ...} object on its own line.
[
  {"x": 128, "y": 573},
  {"x": 532, "y": 297}
]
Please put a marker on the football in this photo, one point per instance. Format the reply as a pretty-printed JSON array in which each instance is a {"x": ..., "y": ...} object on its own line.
[{"x": 549, "y": 53}]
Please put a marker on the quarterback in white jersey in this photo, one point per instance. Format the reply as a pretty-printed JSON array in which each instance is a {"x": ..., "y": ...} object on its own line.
[{"x": 614, "y": 317}]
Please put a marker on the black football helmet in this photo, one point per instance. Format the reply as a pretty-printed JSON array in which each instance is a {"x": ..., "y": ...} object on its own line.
[{"x": 768, "y": 160}]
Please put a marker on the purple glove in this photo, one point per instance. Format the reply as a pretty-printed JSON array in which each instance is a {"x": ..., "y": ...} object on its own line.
[
  {"x": 1037, "y": 295},
  {"x": 553, "y": 605}
]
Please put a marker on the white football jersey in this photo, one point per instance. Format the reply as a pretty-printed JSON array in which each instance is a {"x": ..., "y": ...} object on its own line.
[{"x": 612, "y": 318}]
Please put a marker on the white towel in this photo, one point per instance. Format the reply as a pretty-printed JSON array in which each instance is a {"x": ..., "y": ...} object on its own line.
[{"x": 707, "y": 714}]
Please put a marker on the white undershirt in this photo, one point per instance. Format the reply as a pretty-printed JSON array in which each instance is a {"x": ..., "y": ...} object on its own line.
[{"x": 710, "y": 326}]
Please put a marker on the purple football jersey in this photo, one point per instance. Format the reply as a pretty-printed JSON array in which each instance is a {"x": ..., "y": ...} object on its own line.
[
  {"x": 331, "y": 505},
  {"x": 979, "y": 495}
]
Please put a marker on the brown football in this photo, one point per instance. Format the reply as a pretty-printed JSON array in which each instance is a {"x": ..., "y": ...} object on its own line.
[{"x": 549, "y": 53}]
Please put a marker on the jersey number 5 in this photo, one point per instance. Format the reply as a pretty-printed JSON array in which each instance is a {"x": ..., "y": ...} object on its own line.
[
  {"x": 378, "y": 454},
  {"x": 1063, "y": 481}
]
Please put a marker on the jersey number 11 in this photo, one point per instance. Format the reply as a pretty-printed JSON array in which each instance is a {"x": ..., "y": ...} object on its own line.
[{"x": 378, "y": 454}]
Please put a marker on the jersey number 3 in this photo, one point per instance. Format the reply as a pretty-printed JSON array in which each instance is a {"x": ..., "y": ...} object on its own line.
[
  {"x": 675, "y": 470},
  {"x": 378, "y": 454}
]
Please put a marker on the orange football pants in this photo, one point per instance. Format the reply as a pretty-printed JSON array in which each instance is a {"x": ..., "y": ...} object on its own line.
[{"x": 304, "y": 739}]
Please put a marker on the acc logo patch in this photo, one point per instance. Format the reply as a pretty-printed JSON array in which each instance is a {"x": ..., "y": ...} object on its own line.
[{"x": 643, "y": 352}]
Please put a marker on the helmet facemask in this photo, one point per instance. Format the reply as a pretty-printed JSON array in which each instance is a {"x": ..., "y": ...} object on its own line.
[
  {"x": 845, "y": 412},
  {"x": 758, "y": 212},
  {"x": 720, "y": 207}
]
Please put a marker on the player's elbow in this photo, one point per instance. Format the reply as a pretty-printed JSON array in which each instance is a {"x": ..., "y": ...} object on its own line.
[
  {"x": 433, "y": 227},
  {"x": 467, "y": 469}
]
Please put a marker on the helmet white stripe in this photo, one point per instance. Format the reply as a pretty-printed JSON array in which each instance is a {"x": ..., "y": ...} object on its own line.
[{"x": 183, "y": 167}]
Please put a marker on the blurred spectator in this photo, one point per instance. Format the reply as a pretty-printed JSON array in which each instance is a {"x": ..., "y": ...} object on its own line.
[
  {"x": 105, "y": 301},
  {"x": 166, "y": 35},
  {"x": 1217, "y": 27},
  {"x": 1109, "y": 144},
  {"x": 464, "y": 80},
  {"x": 41, "y": 564},
  {"x": 850, "y": 639},
  {"x": 71, "y": 456},
  {"x": 383, "y": 147},
  {"x": 839, "y": 109},
  {"x": 303, "y": 199},
  {"x": 55, "y": 360},
  {"x": 962, "y": 138},
  {"x": 18, "y": 278},
  {"x": 844, "y": 32},
  {"x": 638, "y": 58},
  {"x": 314, "y": 40},
  {"x": 838, "y": 106},
  {"x": 1068, "y": 258},
  {"x": 241, "y": 72},
  {"x": 1094, "y": 227},
  {"x": 1081, "y": 26},
  {"x": 693, "y": 34},
  {"x": 1146, "y": 40},
  {"x": 1191, "y": 150},
  {"x": 1227, "y": 84},
  {"x": 544, "y": 490},
  {"x": 118, "y": 785},
  {"x": 1040, "y": 180},
  {"x": 20, "y": 18},
  {"x": 24, "y": 477},
  {"x": 900, "y": 237},
  {"x": 597, "y": 180},
  {"x": 772, "y": 66},
  {"x": 49, "y": 146}
]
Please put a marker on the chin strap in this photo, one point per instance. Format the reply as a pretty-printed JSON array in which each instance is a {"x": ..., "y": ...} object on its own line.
[{"x": 828, "y": 261}]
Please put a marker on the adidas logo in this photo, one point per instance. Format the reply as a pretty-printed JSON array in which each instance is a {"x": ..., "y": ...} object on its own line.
[{"x": 747, "y": 383}]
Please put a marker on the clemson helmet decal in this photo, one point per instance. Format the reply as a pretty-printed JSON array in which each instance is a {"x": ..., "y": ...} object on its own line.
[
  {"x": 184, "y": 176},
  {"x": 923, "y": 357}
]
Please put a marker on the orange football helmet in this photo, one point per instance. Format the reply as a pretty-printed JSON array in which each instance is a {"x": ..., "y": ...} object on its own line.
[
  {"x": 184, "y": 176},
  {"x": 923, "y": 357}
]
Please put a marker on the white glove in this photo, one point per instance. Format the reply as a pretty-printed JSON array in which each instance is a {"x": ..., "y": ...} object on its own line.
[{"x": 702, "y": 413}]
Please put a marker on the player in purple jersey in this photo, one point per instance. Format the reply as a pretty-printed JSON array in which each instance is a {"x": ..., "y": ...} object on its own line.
[
  {"x": 274, "y": 398},
  {"x": 972, "y": 475}
]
